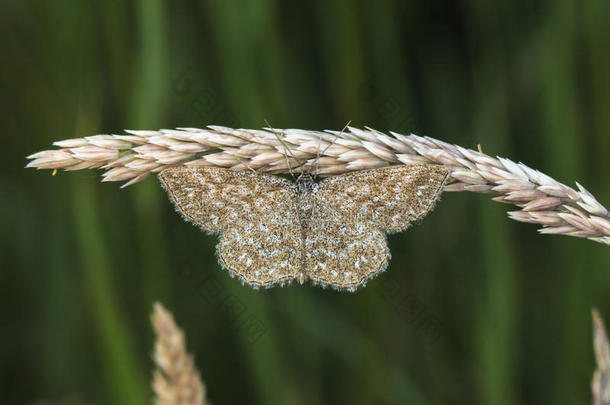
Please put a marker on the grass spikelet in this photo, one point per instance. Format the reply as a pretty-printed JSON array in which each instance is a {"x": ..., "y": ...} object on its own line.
[
  {"x": 176, "y": 381},
  {"x": 542, "y": 200}
]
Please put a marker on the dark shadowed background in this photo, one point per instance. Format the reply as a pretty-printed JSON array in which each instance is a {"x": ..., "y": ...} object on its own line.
[{"x": 474, "y": 308}]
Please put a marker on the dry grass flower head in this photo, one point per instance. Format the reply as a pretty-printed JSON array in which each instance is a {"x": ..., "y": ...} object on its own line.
[
  {"x": 601, "y": 378},
  {"x": 132, "y": 157},
  {"x": 176, "y": 381}
]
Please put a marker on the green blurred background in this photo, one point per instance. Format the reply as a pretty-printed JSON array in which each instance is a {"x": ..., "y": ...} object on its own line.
[{"x": 474, "y": 308}]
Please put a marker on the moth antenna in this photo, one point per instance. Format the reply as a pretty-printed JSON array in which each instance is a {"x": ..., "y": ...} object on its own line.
[
  {"x": 329, "y": 145},
  {"x": 245, "y": 162},
  {"x": 251, "y": 169},
  {"x": 287, "y": 150}
]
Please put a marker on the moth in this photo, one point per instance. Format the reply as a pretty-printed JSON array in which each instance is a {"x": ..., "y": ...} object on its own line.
[{"x": 274, "y": 231}]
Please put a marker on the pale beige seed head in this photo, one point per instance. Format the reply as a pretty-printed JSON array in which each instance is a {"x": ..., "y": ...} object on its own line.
[
  {"x": 176, "y": 381},
  {"x": 601, "y": 378}
]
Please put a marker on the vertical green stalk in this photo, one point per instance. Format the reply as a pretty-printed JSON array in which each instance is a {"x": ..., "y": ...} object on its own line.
[
  {"x": 598, "y": 42},
  {"x": 341, "y": 35},
  {"x": 495, "y": 337},
  {"x": 494, "y": 340},
  {"x": 150, "y": 89},
  {"x": 123, "y": 375},
  {"x": 562, "y": 129},
  {"x": 266, "y": 366},
  {"x": 244, "y": 40}
]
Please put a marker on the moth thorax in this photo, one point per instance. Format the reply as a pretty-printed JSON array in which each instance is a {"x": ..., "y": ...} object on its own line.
[
  {"x": 305, "y": 186},
  {"x": 305, "y": 183}
]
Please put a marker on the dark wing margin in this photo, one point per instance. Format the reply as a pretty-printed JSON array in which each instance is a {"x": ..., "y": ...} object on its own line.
[
  {"x": 391, "y": 198},
  {"x": 217, "y": 198}
]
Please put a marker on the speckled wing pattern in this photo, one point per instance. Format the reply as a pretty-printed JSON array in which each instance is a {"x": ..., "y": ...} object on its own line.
[
  {"x": 274, "y": 231},
  {"x": 344, "y": 255},
  {"x": 261, "y": 240},
  {"x": 345, "y": 244},
  {"x": 390, "y": 198}
]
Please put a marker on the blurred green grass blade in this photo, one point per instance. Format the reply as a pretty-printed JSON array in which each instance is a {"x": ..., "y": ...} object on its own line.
[
  {"x": 148, "y": 93},
  {"x": 562, "y": 131},
  {"x": 561, "y": 112},
  {"x": 597, "y": 32},
  {"x": 328, "y": 330},
  {"x": 265, "y": 363},
  {"x": 383, "y": 89},
  {"x": 597, "y": 37},
  {"x": 495, "y": 314},
  {"x": 123, "y": 375},
  {"x": 240, "y": 59},
  {"x": 340, "y": 43}
]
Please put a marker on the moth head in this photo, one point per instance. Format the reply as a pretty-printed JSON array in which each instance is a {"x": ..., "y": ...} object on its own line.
[{"x": 313, "y": 166}]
